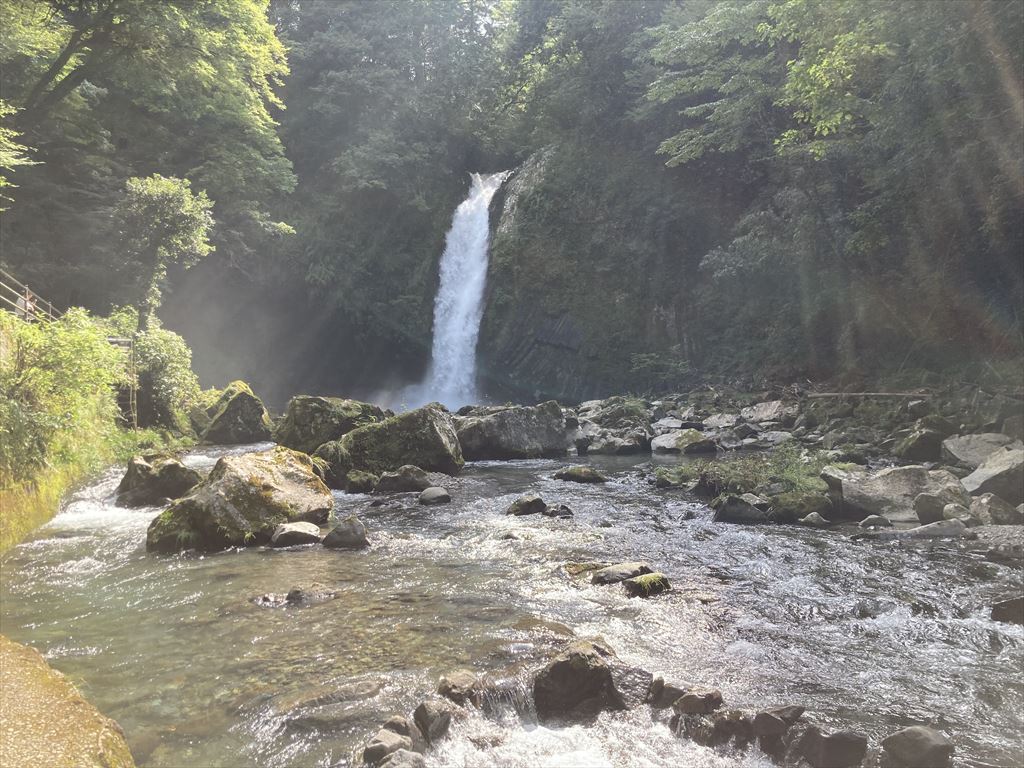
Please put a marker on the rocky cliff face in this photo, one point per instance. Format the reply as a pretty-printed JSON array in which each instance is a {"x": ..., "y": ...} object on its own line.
[{"x": 589, "y": 252}]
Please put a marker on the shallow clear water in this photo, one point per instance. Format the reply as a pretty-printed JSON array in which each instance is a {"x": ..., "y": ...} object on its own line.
[{"x": 867, "y": 635}]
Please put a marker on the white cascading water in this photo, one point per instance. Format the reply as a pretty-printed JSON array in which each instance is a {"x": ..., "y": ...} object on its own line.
[{"x": 458, "y": 306}]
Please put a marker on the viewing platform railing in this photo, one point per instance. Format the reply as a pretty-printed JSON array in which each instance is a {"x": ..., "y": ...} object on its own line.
[{"x": 13, "y": 298}]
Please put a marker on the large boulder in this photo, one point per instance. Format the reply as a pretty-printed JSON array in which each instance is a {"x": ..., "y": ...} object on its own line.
[
  {"x": 918, "y": 747},
  {"x": 519, "y": 432},
  {"x": 735, "y": 509},
  {"x": 889, "y": 492},
  {"x": 773, "y": 410},
  {"x": 681, "y": 441},
  {"x": 989, "y": 509},
  {"x": 311, "y": 421},
  {"x": 580, "y": 474},
  {"x": 613, "y": 574},
  {"x": 237, "y": 417},
  {"x": 350, "y": 533},
  {"x": 1002, "y": 473},
  {"x": 585, "y": 679},
  {"x": 971, "y": 450},
  {"x": 242, "y": 502},
  {"x": 152, "y": 477},
  {"x": 406, "y": 479},
  {"x": 920, "y": 445},
  {"x": 424, "y": 437}
]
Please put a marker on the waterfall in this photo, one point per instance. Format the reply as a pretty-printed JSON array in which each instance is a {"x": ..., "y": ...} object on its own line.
[{"x": 458, "y": 306}]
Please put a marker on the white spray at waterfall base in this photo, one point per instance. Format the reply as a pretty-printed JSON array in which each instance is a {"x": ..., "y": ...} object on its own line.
[{"x": 458, "y": 307}]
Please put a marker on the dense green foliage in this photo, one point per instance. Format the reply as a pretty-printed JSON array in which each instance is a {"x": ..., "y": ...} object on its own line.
[{"x": 779, "y": 187}]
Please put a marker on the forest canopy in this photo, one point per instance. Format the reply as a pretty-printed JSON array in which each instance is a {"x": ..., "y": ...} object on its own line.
[{"x": 792, "y": 186}]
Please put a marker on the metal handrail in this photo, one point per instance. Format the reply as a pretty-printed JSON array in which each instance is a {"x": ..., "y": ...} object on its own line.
[{"x": 13, "y": 290}]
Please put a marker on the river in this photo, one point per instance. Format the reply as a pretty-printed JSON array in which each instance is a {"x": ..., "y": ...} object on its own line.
[{"x": 867, "y": 635}]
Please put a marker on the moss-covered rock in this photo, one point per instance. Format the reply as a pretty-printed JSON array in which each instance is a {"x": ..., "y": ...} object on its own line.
[
  {"x": 310, "y": 421},
  {"x": 424, "y": 437},
  {"x": 519, "y": 432},
  {"x": 152, "y": 477},
  {"x": 646, "y": 585},
  {"x": 580, "y": 474},
  {"x": 44, "y": 721},
  {"x": 358, "y": 481},
  {"x": 242, "y": 502},
  {"x": 791, "y": 506},
  {"x": 237, "y": 417}
]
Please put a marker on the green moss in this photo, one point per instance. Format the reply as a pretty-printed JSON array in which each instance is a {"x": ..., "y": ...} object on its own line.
[{"x": 789, "y": 467}]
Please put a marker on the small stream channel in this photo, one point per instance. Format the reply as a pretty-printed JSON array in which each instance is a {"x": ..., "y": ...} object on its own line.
[{"x": 872, "y": 636}]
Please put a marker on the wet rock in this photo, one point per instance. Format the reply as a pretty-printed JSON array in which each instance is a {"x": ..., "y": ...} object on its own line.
[
  {"x": 971, "y": 450},
  {"x": 435, "y": 495},
  {"x": 383, "y": 744},
  {"x": 357, "y": 481},
  {"x": 424, "y": 437},
  {"x": 403, "y": 758},
  {"x": 698, "y": 701},
  {"x": 989, "y": 509},
  {"x": 309, "y": 595},
  {"x": 519, "y": 432},
  {"x": 814, "y": 520},
  {"x": 791, "y": 506},
  {"x": 291, "y": 534},
  {"x": 152, "y": 477},
  {"x": 776, "y": 722},
  {"x": 1002, "y": 473},
  {"x": 662, "y": 694},
  {"x": 961, "y": 513},
  {"x": 237, "y": 417},
  {"x": 580, "y": 474},
  {"x": 624, "y": 442},
  {"x": 1009, "y": 611},
  {"x": 531, "y": 504},
  {"x": 733, "y": 509},
  {"x": 311, "y": 421},
  {"x": 350, "y": 533},
  {"x": 918, "y": 747},
  {"x": 578, "y": 683},
  {"x": 557, "y": 510},
  {"x": 406, "y": 479},
  {"x": 433, "y": 717},
  {"x": 889, "y": 492},
  {"x": 943, "y": 529},
  {"x": 648, "y": 585},
  {"x": 679, "y": 441},
  {"x": 459, "y": 687},
  {"x": 242, "y": 502},
  {"x": 920, "y": 445},
  {"x": 929, "y": 506},
  {"x": 613, "y": 574},
  {"x": 875, "y": 521},
  {"x": 842, "y": 749}
]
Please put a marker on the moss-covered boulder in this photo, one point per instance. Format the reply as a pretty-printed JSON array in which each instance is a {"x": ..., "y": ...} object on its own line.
[
  {"x": 237, "y": 417},
  {"x": 579, "y": 473},
  {"x": 242, "y": 502},
  {"x": 424, "y": 437},
  {"x": 791, "y": 506},
  {"x": 44, "y": 721},
  {"x": 519, "y": 432},
  {"x": 152, "y": 477},
  {"x": 311, "y": 421}
]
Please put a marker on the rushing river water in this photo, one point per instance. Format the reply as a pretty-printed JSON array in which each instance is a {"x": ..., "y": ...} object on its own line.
[{"x": 873, "y": 636}]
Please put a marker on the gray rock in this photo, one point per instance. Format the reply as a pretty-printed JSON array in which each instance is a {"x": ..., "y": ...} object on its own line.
[
  {"x": 459, "y": 686},
  {"x": 929, "y": 506},
  {"x": 773, "y": 410},
  {"x": 613, "y": 574},
  {"x": 721, "y": 421},
  {"x": 1002, "y": 473},
  {"x": 1009, "y": 611},
  {"x": 663, "y": 695},
  {"x": 433, "y": 717},
  {"x": 774, "y": 437},
  {"x": 580, "y": 474},
  {"x": 585, "y": 679},
  {"x": 311, "y": 421},
  {"x": 290, "y": 534},
  {"x": 814, "y": 520},
  {"x": 943, "y": 529},
  {"x": 889, "y": 492},
  {"x": 989, "y": 509},
  {"x": 648, "y": 585},
  {"x": 918, "y": 747},
  {"x": 350, "y": 533},
  {"x": 557, "y": 510},
  {"x": 679, "y": 441},
  {"x": 733, "y": 509},
  {"x": 531, "y": 504},
  {"x": 153, "y": 477},
  {"x": 971, "y": 450},
  {"x": 667, "y": 424},
  {"x": 875, "y": 521},
  {"x": 237, "y": 417},
  {"x": 383, "y": 744},
  {"x": 842, "y": 749},
  {"x": 518, "y": 432},
  {"x": 961, "y": 513},
  {"x": 403, "y": 758},
  {"x": 242, "y": 502},
  {"x": 435, "y": 495},
  {"x": 920, "y": 445},
  {"x": 698, "y": 701},
  {"x": 406, "y": 479}
]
